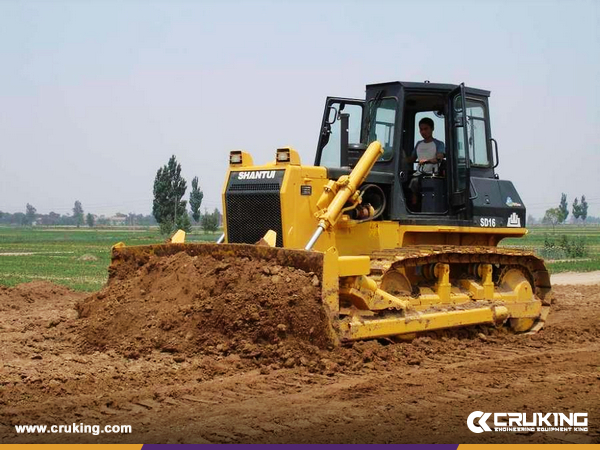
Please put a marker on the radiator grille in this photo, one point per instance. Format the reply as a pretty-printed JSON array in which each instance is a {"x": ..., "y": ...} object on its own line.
[
  {"x": 254, "y": 187},
  {"x": 252, "y": 210}
]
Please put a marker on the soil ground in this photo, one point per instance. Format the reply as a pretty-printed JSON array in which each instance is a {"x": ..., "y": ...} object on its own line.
[
  {"x": 67, "y": 357},
  {"x": 586, "y": 278}
]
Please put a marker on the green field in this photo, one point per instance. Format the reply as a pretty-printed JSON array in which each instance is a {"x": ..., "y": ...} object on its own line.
[
  {"x": 534, "y": 240},
  {"x": 77, "y": 258}
]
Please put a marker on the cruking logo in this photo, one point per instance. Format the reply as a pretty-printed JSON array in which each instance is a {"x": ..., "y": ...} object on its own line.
[{"x": 515, "y": 422}]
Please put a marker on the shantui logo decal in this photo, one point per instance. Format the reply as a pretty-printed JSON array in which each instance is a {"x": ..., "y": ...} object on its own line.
[
  {"x": 514, "y": 221},
  {"x": 478, "y": 422},
  {"x": 257, "y": 175}
]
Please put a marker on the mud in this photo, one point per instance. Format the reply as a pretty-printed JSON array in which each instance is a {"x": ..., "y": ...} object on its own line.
[{"x": 175, "y": 371}]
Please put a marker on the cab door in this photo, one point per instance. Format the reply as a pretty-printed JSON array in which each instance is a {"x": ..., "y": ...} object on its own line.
[
  {"x": 460, "y": 182},
  {"x": 339, "y": 112}
]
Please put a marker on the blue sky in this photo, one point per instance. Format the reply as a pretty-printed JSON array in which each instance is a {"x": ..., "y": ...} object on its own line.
[{"x": 96, "y": 95}]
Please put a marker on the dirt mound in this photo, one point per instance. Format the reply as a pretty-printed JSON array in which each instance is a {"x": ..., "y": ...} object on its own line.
[
  {"x": 190, "y": 305},
  {"x": 28, "y": 293}
]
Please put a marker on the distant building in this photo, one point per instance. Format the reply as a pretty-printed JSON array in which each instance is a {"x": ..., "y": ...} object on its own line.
[{"x": 118, "y": 219}]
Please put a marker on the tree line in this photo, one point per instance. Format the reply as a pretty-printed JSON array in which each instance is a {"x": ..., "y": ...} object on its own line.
[
  {"x": 169, "y": 208},
  {"x": 79, "y": 218},
  {"x": 558, "y": 215}
]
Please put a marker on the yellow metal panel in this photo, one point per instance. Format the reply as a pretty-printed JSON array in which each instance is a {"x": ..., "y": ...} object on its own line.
[
  {"x": 453, "y": 235},
  {"x": 270, "y": 238},
  {"x": 455, "y": 229},
  {"x": 443, "y": 285},
  {"x": 223, "y": 203},
  {"x": 486, "y": 278},
  {"x": 473, "y": 287},
  {"x": 365, "y": 238},
  {"x": 531, "y": 309},
  {"x": 429, "y": 298},
  {"x": 363, "y": 292},
  {"x": 298, "y": 211},
  {"x": 178, "y": 237},
  {"x": 330, "y": 282},
  {"x": 364, "y": 328},
  {"x": 457, "y": 296},
  {"x": 354, "y": 265}
]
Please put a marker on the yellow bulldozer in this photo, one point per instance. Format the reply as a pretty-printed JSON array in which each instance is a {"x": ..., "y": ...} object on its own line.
[{"x": 392, "y": 260}]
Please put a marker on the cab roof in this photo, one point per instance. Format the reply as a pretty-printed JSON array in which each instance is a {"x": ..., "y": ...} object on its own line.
[{"x": 426, "y": 86}]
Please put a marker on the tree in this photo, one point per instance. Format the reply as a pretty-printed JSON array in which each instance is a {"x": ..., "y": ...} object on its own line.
[
  {"x": 103, "y": 221},
  {"x": 168, "y": 207},
  {"x": 209, "y": 222},
  {"x": 576, "y": 209},
  {"x": 184, "y": 223},
  {"x": 531, "y": 220},
  {"x": 196, "y": 197},
  {"x": 552, "y": 217},
  {"x": 18, "y": 218},
  {"x": 563, "y": 208},
  {"x": 29, "y": 215},
  {"x": 90, "y": 220},
  {"x": 217, "y": 215},
  {"x": 78, "y": 213},
  {"x": 51, "y": 218},
  {"x": 583, "y": 208}
]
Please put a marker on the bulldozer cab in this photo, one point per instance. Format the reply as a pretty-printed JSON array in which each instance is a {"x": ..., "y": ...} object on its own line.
[{"x": 463, "y": 190}]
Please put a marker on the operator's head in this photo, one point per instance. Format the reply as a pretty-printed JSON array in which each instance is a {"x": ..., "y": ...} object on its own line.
[{"x": 426, "y": 127}]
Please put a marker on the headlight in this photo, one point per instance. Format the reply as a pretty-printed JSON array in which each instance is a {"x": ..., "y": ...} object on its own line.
[
  {"x": 235, "y": 157},
  {"x": 283, "y": 155}
]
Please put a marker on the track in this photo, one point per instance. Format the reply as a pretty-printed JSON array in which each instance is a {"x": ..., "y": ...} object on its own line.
[
  {"x": 418, "y": 392},
  {"x": 420, "y": 255}
]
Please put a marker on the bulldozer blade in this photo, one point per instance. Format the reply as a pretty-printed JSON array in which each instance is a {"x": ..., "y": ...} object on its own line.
[
  {"x": 126, "y": 263},
  {"x": 126, "y": 259}
]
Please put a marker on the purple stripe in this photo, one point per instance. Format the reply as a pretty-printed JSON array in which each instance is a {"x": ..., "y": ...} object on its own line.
[{"x": 305, "y": 446}]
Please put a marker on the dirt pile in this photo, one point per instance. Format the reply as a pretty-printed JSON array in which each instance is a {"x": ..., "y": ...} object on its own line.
[
  {"x": 189, "y": 305},
  {"x": 26, "y": 294}
]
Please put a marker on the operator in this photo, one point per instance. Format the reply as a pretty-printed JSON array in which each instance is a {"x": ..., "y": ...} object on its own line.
[{"x": 429, "y": 152}]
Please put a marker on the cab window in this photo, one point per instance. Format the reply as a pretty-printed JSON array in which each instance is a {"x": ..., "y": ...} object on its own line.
[
  {"x": 330, "y": 156},
  {"x": 382, "y": 124},
  {"x": 478, "y": 144}
]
